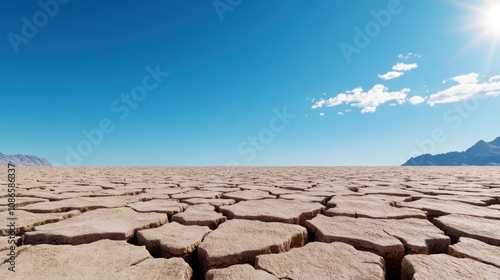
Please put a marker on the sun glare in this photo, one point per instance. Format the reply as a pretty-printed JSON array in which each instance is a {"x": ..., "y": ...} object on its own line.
[
  {"x": 494, "y": 18},
  {"x": 483, "y": 19}
]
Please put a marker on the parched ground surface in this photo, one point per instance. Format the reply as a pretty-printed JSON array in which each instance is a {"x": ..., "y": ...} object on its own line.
[{"x": 254, "y": 223}]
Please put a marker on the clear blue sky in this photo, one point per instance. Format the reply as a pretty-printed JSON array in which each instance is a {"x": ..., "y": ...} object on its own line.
[{"x": 233, "y": 67}]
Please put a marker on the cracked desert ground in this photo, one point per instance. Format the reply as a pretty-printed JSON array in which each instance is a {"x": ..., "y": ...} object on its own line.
[{"x": 255, "y": 223}]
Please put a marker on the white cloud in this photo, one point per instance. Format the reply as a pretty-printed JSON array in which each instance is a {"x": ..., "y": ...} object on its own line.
[
  {"x": 321, "y": 114},
  {"x": 494, "y": 79},
  {"x": 409, "y": 55},
  {"x": 368, "y": 101},
  {"x": 369, "y": 110},
  {"x": 466, "y": 79},
  {"x": 319, "y": 104},
  {"x": 404, "y": 67},
  {"x": 415, "y": 100},
  {"x": 467, "y": 86},
  {"x": 398, "y": 71},
  {"x": 460, "y": 88},
  {"x": 390, "y": 75}
]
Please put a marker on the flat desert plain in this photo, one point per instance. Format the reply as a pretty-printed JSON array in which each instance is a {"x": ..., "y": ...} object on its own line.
[{"x": 252, "y": 223}]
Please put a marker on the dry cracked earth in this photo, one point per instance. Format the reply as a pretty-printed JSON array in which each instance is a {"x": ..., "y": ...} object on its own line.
[{"x": 254, "y": 223}]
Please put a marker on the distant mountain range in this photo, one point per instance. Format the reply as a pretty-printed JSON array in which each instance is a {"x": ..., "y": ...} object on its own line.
[
  {"x": 23, "y": 160},
  {"x": 481, "y": 154}
]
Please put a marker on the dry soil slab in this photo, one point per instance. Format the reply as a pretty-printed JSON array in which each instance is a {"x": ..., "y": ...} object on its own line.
[
  {"x": 476, "y": 250},
  {"x": 26, "y": 221},
  {"x": 474, "y": 200},
  {"x": 169, "y": 207},
  {"x": 496, "y": 207},
  {"x": 271, "y": 190},
  {"x": 52, "y": 196},
  {"x": 248, "y": 195},
  {"x": 240, "y": 272},
  {"x": 23, "y": 201},
  {"x": 273, "y": 210},
  {"x": 367, "y": 207},
  {"x": 223, "y": 189},
  {"x": 323, "y": 261},
  {"x": 305, "y": 197},
  {"x": 6, "y": 242},
  {"x": 216, "y": 202},
  {"x": 436, "y": 208},
  {"x": 116, "y": 192},
  {"x": 157, "y": 269},
  {"x": 172, "y": 240},
  {"x": 240, "y": 241},
  {"x": 105, "y": 259},
  {"x": 80, "y": 203},
  {"x": 167, "y": 191},
  {"x": 387, "y": 238},
  {"x": 114, "y": 224},
  {"x": 197, "y": 194},
  {"x": 456, "y": 226},
  {"x": 444, "y": 267},
  {"x": 200, "y": 215},
  {"x": 6, "y": 257},
  {"x": 72, "y": 187}
]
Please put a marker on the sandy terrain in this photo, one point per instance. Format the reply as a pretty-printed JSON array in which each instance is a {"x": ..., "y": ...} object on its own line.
[{"x": 253, "y": 223}]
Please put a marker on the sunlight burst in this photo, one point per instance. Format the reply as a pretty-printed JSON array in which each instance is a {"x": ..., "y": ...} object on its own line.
[
  {"x": 494, "y": 18},
  {"x": 484, "y": 21}
]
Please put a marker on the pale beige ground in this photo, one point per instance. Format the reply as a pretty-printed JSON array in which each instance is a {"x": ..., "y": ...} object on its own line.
[{"x": 254, "y": 223}]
